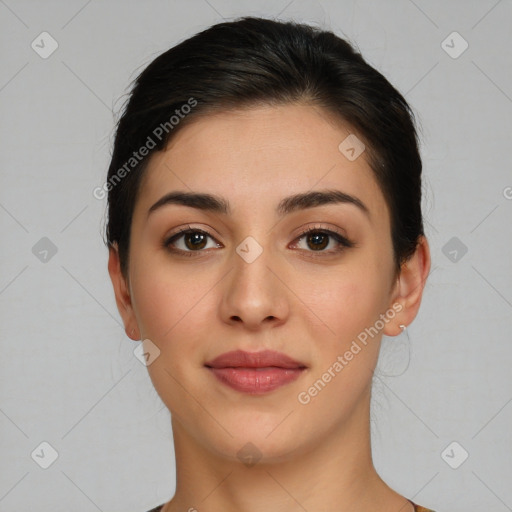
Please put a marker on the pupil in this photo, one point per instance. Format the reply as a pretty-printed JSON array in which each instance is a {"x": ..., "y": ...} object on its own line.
[
  {"x": 198, "y": 239},
  {"x": 315, "y": 237}
]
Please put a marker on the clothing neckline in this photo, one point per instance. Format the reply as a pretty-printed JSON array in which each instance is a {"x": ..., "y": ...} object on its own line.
[{"x": 417, "y": 508}]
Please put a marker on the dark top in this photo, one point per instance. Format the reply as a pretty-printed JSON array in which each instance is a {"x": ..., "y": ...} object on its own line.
[{"x": 417, "y": 508}]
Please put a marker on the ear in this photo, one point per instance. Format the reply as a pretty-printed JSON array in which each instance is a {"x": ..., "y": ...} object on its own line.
[
  {"x": 408, "y": 289},
  {"x": 122, "y": 294}
]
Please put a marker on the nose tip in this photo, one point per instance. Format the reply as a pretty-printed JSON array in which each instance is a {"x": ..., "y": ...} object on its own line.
[{"x": 253, "y": 297}]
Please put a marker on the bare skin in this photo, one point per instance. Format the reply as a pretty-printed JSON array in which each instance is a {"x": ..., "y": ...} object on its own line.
[{"x": 310, "y": 304}]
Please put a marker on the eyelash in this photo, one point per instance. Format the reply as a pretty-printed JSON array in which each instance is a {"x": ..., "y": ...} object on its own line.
[{"x": 344, "y": 242}]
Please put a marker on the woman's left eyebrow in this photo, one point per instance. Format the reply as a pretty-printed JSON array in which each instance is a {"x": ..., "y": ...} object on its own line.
[{"x": 217, "y": 204}]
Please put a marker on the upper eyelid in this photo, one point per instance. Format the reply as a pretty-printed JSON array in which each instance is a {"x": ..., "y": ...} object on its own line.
[{"x": 332, "y": 230}]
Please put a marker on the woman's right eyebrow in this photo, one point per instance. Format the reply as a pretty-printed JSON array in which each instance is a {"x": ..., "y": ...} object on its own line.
[
  {"x": 217, "y": 204},
  {"x": 198, "y": 200}
]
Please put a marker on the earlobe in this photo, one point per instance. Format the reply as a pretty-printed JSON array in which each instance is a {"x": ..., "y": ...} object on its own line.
[
  {"x": 122, "y": 293},
  {"x": 409, "y": 287}
]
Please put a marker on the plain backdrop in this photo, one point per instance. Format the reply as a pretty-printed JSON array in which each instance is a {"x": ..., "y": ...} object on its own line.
[{"x": 441, "y": 412}]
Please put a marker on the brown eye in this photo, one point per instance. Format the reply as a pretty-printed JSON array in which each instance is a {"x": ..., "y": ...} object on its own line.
[
  {"x": 318, "y": 239},
  {"x": 188, "y": 241},
  {"x": 195, "y": 240}
]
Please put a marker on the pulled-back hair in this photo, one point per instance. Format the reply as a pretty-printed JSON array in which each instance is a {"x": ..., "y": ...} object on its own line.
[{"x": 254, "y": 61}]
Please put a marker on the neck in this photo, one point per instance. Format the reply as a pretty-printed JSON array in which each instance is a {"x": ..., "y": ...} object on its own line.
[{"x": 333, "y": 473}]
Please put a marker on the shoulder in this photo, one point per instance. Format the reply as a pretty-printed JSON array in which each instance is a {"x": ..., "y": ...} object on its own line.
[{"x": 156, "y": 509}]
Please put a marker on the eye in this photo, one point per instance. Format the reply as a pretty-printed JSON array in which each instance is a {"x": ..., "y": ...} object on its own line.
[
  {"x": 193, "y": 240},
  {"x": 190, "y": 240},
  {"x": 318, "y": 239}
]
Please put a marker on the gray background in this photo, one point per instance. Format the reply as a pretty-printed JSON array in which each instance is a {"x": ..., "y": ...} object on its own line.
[{"x": 68, "y": 373}]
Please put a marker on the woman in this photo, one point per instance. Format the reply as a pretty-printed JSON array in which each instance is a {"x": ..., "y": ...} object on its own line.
[{"x": 264, "y": 232}]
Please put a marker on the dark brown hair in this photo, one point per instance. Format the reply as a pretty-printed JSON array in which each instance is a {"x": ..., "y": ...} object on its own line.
[{"x": 253, "y": 61}]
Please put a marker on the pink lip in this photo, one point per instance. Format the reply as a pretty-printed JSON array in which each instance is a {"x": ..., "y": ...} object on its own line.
[{"x": 255, "y": 372}]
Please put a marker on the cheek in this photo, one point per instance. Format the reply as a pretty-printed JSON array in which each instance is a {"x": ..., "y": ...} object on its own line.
[
  {"x": 171, "y": 310},
  {"x": 154, "y": 304},
  {"x": 174, "y": 310},
  {"x": 162, "y": 298},
  {"x": 346, "y": 301}
]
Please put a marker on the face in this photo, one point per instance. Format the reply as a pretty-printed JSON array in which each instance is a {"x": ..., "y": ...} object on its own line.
[{"x": 249, "y": 279}]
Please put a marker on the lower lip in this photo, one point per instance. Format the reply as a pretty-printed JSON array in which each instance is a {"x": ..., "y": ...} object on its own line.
[{"x": 256, "y": 381}]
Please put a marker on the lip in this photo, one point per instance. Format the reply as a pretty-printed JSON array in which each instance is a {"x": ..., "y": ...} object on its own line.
[
  {"x": 255, "y": 372},
  {"x": 263, "y": 359}
]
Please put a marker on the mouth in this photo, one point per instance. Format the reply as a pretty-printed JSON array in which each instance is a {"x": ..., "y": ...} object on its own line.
[{"x": 255, "y": 372}]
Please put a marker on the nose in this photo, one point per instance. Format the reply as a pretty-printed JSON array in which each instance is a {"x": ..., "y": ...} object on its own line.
[{"x": 254, "y": 294}]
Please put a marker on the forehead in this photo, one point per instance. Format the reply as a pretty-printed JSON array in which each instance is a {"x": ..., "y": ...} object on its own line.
[{"x": 256, "y": 156}]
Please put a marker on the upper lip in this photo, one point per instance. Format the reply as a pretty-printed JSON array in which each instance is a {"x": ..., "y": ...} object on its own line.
[{"x": 263, "y": 359}]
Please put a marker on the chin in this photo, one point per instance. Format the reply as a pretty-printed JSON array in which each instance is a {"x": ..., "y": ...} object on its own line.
[
  {"x": 258, "y": 438},
  {"x": 252, "y": 450}
]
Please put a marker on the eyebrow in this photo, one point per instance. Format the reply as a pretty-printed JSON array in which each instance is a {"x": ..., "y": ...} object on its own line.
[{"x": 217, "y": 204}]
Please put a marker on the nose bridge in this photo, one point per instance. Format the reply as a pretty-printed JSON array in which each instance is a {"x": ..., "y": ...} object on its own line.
[
  {"x": 251, "y": 273},
  {"x": 253, "y": 293}
]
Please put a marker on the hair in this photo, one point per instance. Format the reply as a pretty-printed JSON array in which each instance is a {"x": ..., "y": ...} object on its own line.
[{"x": 253, "y": 62}]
